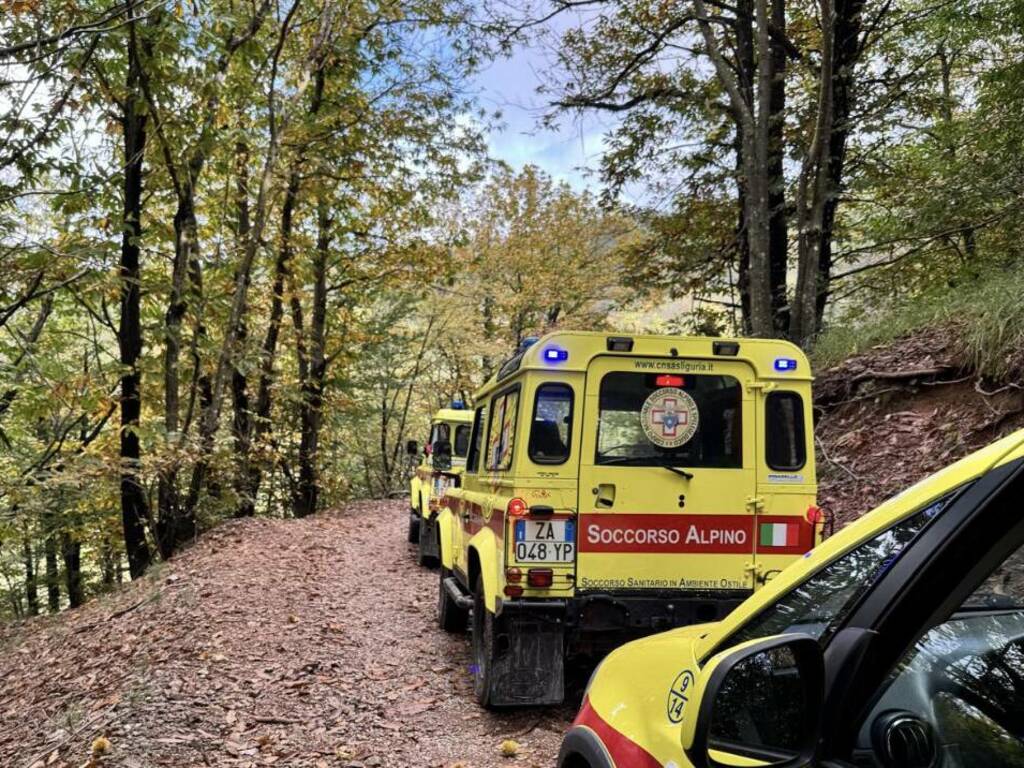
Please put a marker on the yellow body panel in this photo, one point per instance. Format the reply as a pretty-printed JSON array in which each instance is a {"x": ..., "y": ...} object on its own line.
[{"x": 631, "y": 689}]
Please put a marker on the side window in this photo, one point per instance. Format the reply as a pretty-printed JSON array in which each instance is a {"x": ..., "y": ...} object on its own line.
[
  {"x": 815, "y": 607},
  {"x": 473, "y": 458},
  {"x": 551, "y": 428},
  {"x": 462, "y": 440},
  {"x": 961, "y": 681},
  {"x": 784, "y": 435},
  {"x": 501, "y": 435}
]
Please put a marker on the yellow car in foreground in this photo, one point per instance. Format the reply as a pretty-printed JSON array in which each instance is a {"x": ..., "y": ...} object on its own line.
[{"x": 897, "y": 642}]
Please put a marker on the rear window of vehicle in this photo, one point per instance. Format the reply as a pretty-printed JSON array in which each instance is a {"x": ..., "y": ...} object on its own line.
[
  {"x": 479, "y": 419},
  {"x": 785, "y": 441},
  {"x": 501, "y": 435},
  {"x": 552, "y": 424},
  {"x": 462, "y": 440},
  {"x": 647, "y": 419}
]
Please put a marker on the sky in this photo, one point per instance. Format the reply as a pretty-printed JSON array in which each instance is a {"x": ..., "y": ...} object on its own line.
[{"x": 509, "y": 85}]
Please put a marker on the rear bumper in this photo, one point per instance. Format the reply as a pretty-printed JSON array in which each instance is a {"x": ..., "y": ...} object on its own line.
[{"x": 610, "y": 615}]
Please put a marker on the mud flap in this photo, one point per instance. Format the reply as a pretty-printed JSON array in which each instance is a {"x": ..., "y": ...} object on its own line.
[{"x": 529, "y": 660}]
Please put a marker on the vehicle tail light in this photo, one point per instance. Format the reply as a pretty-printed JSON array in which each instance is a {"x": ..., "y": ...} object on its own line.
[
  {"x": 540, "y": 577},
  {"x": 668, "y": 380},
  {"x": 513, "y": 591},
  {"x": 517, "y": 508},
  {"x": 815, "y": 515},
  {"x": 513, "y": 575}
]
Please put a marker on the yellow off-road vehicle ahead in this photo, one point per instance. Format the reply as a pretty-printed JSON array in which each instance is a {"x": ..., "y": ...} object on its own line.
[
  {"x": 617, "y": 486},
  {"x": 444, "y": 458}
]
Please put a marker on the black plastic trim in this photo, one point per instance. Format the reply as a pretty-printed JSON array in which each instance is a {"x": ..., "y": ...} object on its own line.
[{"x": 583, "y": 742}]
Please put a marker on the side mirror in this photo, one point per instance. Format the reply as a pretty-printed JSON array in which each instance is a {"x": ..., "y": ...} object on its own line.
[
  {"x": 412, "y": 447},
  {"x": 761, "y": 701}
]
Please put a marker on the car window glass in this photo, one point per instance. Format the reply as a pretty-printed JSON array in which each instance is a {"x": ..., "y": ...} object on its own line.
[
  {"x": 960, "y": 689},
  {"x": 473, "y": 459},
  {"x": 785, "y": 443},
  {"x": 462, "y": 440},
  {"x": 502, "y": 432},
  {"x": 647, "y": 419},
  {"x": 552, "y": 424},
  {"x": 818, "y": 605}
]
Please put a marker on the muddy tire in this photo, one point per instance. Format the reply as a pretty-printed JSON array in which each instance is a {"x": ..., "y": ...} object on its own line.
[
  {"x": 414, "y": 526},
  {"x": 450, "y": 617},
  {"x": 483, "y": 647}
]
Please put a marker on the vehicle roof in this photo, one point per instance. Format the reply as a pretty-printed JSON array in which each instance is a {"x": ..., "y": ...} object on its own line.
[
  {"x": 901, "y": 505},
  {"x": 462, "y": 415},
  {"x": 584, "y": 346}
]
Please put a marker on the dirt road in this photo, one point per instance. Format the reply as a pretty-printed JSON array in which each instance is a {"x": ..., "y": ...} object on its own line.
[{"x": 292, "y": 643}]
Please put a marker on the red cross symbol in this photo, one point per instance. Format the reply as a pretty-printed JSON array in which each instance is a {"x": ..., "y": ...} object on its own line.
[{"x": 669, "y": 418}]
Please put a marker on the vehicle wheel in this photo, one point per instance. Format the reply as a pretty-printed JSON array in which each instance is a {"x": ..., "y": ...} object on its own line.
[
  {"x": 414, "y": 526},
  {"x": 483, "y": 645},
  {"x": 450, "y": 617}
]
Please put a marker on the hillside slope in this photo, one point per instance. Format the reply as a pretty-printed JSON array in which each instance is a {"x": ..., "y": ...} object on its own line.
[{"x": 899, "y": 412}]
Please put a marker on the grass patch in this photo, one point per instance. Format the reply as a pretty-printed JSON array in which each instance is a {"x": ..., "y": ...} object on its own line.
[{"x": 985, "y": 318}]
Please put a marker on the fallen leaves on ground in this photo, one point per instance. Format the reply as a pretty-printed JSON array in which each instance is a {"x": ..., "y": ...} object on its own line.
[{"x": 307, "y": 643}]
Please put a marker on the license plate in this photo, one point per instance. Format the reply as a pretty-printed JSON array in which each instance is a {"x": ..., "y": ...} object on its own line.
[{"x": 545, "y": 541}]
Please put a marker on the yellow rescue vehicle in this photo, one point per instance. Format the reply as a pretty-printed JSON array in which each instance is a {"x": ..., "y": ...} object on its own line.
[
  {"x": 444, "y": 458},
  {"x": 897, "y": 642},
  {"x": 617, "y": 486}
]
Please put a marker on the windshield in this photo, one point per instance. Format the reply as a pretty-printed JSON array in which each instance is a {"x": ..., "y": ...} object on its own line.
[
  {"x": 648, "y": 419},
  {"x": 818, "y": 605}
]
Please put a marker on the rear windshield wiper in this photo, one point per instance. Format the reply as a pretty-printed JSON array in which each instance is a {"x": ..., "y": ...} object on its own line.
[
  {"x": 657, "y": 461},
  {"x": 678, "y": 471}
]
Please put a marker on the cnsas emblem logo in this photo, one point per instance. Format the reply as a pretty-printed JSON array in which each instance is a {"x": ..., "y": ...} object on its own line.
[
  {"x": 678, "y": 695},
  {"x": 669, "y": 417}
]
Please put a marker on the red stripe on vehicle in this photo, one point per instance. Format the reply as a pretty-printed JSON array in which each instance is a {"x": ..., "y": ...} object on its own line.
[
  {"x": 706, "y": 534},
  {"x": 625, "y": 753}
]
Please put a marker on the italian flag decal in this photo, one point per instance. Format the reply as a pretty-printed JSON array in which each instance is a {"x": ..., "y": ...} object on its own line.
[{"x": 779, "y": 534}]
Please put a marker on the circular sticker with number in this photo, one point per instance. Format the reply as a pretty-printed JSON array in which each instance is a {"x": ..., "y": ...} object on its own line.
[{"x": 669, "y": 417}]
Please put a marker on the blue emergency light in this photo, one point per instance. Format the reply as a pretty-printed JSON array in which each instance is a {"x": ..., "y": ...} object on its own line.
[
  {"x": 785, "y": 364},
  {"x": 556, "y": 354},
  {"x": 458, "y": 405}
]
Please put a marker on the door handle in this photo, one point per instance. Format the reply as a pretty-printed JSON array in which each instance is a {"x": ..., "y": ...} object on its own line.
[{"x": 605, "y": 493}]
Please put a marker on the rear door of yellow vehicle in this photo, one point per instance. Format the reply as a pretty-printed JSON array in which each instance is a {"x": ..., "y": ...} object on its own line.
[
  {"x": 642, "y": 525},
  {"x": 786, "y": 482}
]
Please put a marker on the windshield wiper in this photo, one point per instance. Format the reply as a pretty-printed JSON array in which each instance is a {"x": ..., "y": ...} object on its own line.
[
  {"x": 658, "y": 461},
  {"x": 678, "y": 471}
]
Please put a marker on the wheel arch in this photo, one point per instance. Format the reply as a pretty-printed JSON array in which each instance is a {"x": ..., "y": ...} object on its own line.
[{"x": 483, "y": 557}]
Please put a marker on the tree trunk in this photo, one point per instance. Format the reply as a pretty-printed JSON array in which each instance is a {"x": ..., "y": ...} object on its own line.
[
  {"x": 242, "y": 422},
  {"x": 133, "y": 499},
  {"x": 52, "y": 574},
  {"x": 110, "y": 563},
  {"x": 307, "y": 491},
  {"x": 778, "y": 234},
  {"x": 71, "y": 550},
  {"x": 745, "y": 70},
  {"x": 31, "y": 587},
  {"x": 170, "y": 528}
]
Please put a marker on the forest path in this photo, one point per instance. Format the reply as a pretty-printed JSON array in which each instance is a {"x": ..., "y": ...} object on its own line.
[{"x": 271, "y": 642}]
